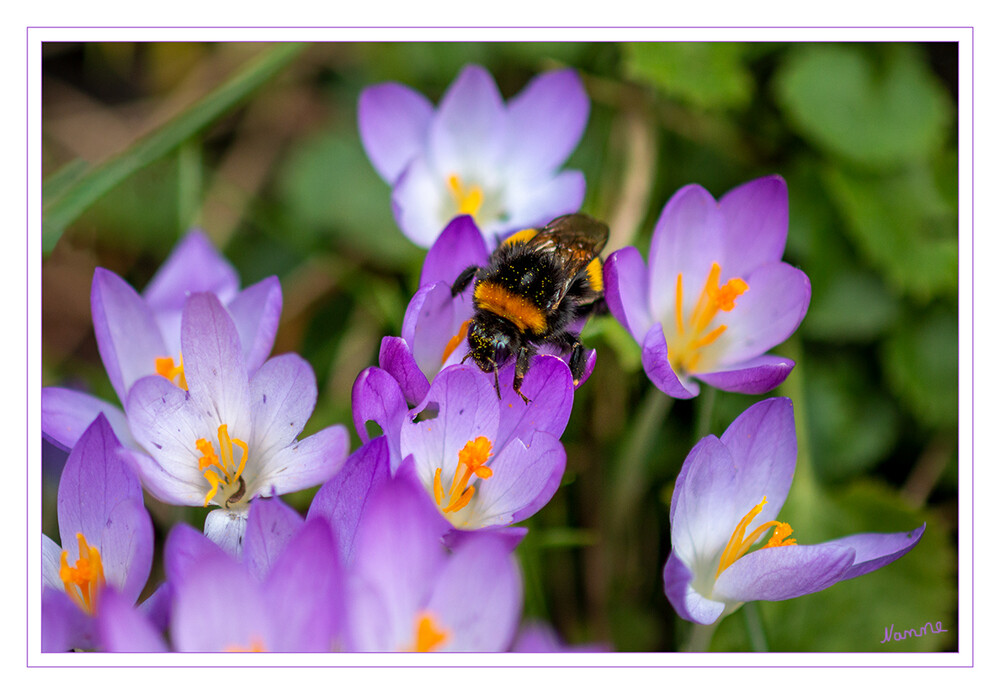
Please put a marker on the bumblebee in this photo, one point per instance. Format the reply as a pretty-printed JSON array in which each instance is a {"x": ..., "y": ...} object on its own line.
[{"x": 536, "y": 285}]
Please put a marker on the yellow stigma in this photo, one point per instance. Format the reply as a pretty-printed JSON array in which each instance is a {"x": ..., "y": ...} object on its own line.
[
  {"x": 84, "y": 580},
  {"x": 467, "y": 200},
  {"x": 165, "y": 367},
  {"x": 222, "y": 470},
  {"x": 429, "y": 636},
  {"x": 455, "y": 341},
  {"x": 693, "y": 333},
  {"x": 471, "y": 461},
  {"x": 738, "y": 545}
]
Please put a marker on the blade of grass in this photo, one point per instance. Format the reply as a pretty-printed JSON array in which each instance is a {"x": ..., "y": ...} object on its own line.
[{"x": 59, "y": 212}]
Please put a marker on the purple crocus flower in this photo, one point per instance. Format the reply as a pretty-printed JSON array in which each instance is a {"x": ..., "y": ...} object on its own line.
[
  {"x": 488, "y": 462},
  {"x": 728, "y": 494},
  {"x": 285, "y": 596},
  {"x": 715, "y": 295},
  {"x": 475, "y": 154},
  {"x": 107, "y": 540},
  {"x": 140, "y": 335},
  {"x": 436, "y": 323},
  {"x": 407, "y": 592},
  {"x": 231, "y": 435}
]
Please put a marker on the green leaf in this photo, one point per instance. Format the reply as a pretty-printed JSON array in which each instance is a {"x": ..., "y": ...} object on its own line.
[
  {"x": 852, "y": 616},
  {"x": 704, "y": 75},
  {"x": 833, "y": 312},
  {"x": 903, "y": 225},
  {"x": 60, "y": 211},
  {"x": 921, "y": 363},
  {"x": 329, "y": 187},
  {"x": 852, "y": 426},
  {"x": 871, "y": 112}
]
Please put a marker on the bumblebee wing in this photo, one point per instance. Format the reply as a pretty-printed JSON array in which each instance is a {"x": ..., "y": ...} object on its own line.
[{"x": 575, "y": 241}]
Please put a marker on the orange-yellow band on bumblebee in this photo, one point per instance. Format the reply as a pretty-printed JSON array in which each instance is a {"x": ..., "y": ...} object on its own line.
[{"x": 491, "y": 297}]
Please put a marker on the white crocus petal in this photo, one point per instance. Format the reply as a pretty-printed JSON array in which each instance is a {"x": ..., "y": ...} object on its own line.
[{"x": 226, "y": 528}]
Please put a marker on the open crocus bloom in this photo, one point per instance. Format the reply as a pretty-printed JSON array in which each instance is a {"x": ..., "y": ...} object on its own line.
[
  {"x": 139, "y": 335},
  {"x": 107, "y": 540},
  {"x": 474, "y": 154},
  {"x": 229, "y": 437},
  {"x": 727, "y": 499},
  {"x": 715, "y": 295}
]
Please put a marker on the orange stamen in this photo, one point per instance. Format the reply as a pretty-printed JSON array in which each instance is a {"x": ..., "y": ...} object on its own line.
[
  {"x": 739, "y": 545},
  {"x": 467, "y": 200},
  {"x": 165, "y": 367},
  {"x": 455, "y": 340},
  {"x": 84, "y": 580},
  {"x": 693, "y": 332},
  {"x": 471, "y": 461},
  {"x": 225, "y": 471},
  {"x": 429, "y": 636}
]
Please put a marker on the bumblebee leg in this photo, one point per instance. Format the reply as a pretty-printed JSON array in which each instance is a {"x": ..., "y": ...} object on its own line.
[
  {"x": 523, "y": 361},
  {"x": 463, "y": 279},
  {"x": 577, "y": 362},
  {"x": 496, "y": 379}
]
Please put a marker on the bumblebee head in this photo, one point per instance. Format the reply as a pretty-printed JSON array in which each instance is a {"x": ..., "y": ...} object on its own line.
[{"x": 491, "y": 339}]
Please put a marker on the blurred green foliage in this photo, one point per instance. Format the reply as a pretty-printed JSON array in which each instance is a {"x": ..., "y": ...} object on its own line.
[{"x": 865, "y": 135}]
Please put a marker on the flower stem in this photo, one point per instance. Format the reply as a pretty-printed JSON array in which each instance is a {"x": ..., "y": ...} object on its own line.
[
  {"x": 700, "y": 638},
  {"x": 703, "y": 418},
  {"x": 633, "y": 461},
  {"x": 755, "y": 628}
]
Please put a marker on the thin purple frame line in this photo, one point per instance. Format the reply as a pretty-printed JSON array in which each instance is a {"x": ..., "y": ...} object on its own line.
[{"x": 972, "y": 323}]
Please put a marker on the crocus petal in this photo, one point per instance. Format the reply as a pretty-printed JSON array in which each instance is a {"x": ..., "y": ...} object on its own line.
[
  {"x": 754, "y": 376},
  {"x": 467, "y": 134},
  {"x": 546, "y": 121},
  {"x": 128, "y": 337},
  {"x": 627, "y": 292},
  {"x": 100, "y": 497},
  {"x": 226, "y": 529},
  {"x": 121, "y": 628},
  {"x": 51, "y": 555},
  {"x": 687, "y": 239},
  {"x": 66, "y": 414},
  {"x": 271, "y": 523},
  {"x": 306, "y": 463},
  {"x": 658, "y": 369},
  {"x": 756, "y": 215},
  {"x": 781, "y": 573},
  {"x": 256, "y": 312},
  {"x": 874, "y": 550},
  {"x": 304, "y": 592},
  {"x": 524, "y": 479},
  {"x": 432, "y": 318},
  {"x": 283, "y": 393},
  {"x": 689, "y": 603},
  {"x": 213, "y": 363},
  {"x": 393, "y": 121},
  {"x": 376, "y": 397},
  {"x": 770, "y": 310},
  {"x": 204, "y": 623},
  {"x": 420, "y": 202},
  {"x": 477, "y": 597},
  {"x": 343, "y": 500},
  {"x": 162, "y": 420},
  {"x": 185, "y": 549},
  {"x": 467, "y": 409},
  {"x": 538, "y": 203},
  {"x": 394, "y": 357},
  {"x": 549, "y": 386},
  {"x": 64, "y": 626},
  {"x": 194, "y": 265},
  {"x": 460, "y": 245}
]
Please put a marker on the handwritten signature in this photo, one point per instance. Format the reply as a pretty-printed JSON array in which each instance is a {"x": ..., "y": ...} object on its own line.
[{"x": 927, "y": 628}]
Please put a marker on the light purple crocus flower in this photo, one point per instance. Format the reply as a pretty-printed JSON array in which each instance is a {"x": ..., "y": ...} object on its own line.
[
  {"x": 728, "y": 494},
  {"x": 715, "y": 295},
  {"x": 139, "y": 335},
  {"x": 107, "y": 538},
  {"x": 407, "y": 592},
  {"x": 232, "y": 435},
  {"x": 475, "y": 154},
  {"x": 436, "y": 323},
  {"x": 487, "y": 462}
]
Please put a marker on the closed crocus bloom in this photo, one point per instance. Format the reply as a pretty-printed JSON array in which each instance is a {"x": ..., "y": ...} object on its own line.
[
  {"x": 715, "y": 295},
  {"x": 230, "y": 436},
  {"x": 107, "y": 540},
  {"x": 726, "y": 502},
  {"x": 139, "y": 334},
  {"x": 474, "y": 154}
]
